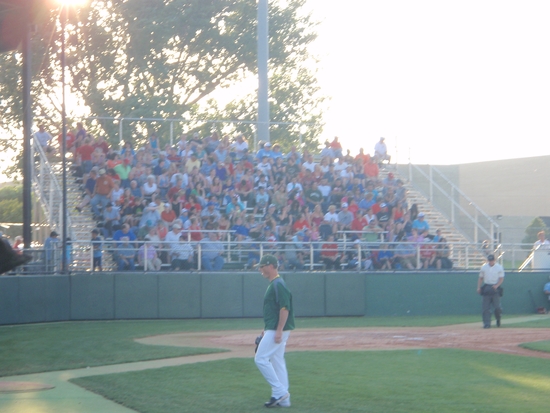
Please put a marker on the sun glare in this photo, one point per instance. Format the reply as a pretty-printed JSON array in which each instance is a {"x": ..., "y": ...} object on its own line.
[{"x": 72, "y": 2}]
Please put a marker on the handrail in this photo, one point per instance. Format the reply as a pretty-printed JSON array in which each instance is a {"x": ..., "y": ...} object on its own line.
[
  {"x": 48, "y": 190},
  {"x": 490, "y": 233}
]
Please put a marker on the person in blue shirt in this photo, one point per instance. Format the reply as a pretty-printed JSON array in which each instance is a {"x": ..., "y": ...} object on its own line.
[{"x": 420, "y": 223}]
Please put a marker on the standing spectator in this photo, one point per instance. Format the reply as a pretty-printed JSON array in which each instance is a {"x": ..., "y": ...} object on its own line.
[
  {"x": 490, "y": 279},
  {"x": 102, "y": 192},
  {"x": 89, "y": 189},
  {"x": 381, "y": 151},
  {"x": 51, "y": 249},
  {"x": 84, "y": 155},
  {"x": 97, "y": 249},
  {"x": 212, "y": 250},
  {"x": 44, "y": 139},
  {"x": 542, "y": 243}
]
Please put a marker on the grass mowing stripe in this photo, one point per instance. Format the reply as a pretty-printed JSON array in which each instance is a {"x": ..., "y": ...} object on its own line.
[{"x": 440, "y": 380}]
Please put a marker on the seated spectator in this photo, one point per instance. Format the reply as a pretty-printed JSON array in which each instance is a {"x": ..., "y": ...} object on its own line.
[
  {"x": 89, "y": 187},
  {"x": 442, "y": 257},
  {"x": 293, "y": 254},
  {"x": 385, "y": 257},
  {"x": 111, "y": 220},
  {"x": 212, "y": 250},
  {"x": 381, "y": 151},
  {"x": 148, "y": 257},
  {"x": 420, "y": 223},
  {"x": 546, "y": 290},
  {"x": 168, "y": 216},
  {"x": 124, "y": 231},
  {"x": 427, "y": 254},
  {"x": 405, "y": 256},
  {"x": 149, "y": 188},
  {"x": 345, "y": 218},
  {"x": 182, "y": 255},
  {"x": 330, "y": 255},
  {"x": 150, "y": 213},
  {"x": 125, "y": 255}
]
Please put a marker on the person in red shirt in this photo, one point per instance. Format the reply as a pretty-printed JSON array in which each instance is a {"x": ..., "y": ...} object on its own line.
[
  {"x": 330, "y": 255},
  {"x": 336, "y": 147},
  {"x": 371, "y": 169},
  {"x": 84, "y": 155},
  {"x": 101, "y": 143},
  {"x": 301, "y": 223},
  {"x": 364, "y": 157},
  {"x": 168, "y": 215},
  {"x": 358, "y": 223}
]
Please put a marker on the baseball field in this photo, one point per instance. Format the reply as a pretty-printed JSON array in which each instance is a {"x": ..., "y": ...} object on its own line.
[{"x": 359, "y": 364}]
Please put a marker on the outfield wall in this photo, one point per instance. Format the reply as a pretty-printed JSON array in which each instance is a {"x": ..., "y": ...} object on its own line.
[{"x": 111, "y": 296}]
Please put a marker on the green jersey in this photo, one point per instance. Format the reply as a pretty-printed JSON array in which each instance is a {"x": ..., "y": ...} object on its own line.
[{"x": 277, "y": 296}]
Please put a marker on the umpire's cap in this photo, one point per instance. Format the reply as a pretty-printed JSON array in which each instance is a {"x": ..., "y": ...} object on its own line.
[{"x": 268, "y": 259}]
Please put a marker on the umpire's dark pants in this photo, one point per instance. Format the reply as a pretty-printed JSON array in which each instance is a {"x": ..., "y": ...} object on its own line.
[{"x": 491, "y": 297}]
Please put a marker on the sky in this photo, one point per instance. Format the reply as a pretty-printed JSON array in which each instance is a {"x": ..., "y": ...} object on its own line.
[{"x": 445, "y": 82}]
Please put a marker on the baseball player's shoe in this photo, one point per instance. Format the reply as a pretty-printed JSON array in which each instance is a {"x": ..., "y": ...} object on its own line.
[
  {"x": 498, "y": 322},
  {"x": 274, "y": 401}
]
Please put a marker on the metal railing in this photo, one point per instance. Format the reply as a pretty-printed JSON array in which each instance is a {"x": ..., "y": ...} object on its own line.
[
  {"x": 48, "y": 190},
  {"x": 193, "y": 123},
  {"x": 294, "y": 255},
  {"x": 456, "y": 206}
]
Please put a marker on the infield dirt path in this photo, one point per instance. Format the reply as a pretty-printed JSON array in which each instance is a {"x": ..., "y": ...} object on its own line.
[{"x": 462, "y": 336}]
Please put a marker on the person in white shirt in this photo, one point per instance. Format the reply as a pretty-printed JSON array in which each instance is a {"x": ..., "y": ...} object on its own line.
[
  {"x": 309, "y": 164},
  {"x": 294, "y": 185},
  {"x": 381, "y": 151},
  {"x": 542, "y": 243},
  {"x": 490, "y": 278},
  {"x": 331, "y": 216},
  {"x": 44, "y": 138}
]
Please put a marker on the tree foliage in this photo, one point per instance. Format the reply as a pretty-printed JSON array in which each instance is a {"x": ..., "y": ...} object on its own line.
[
  {"x": 11, "y": 204},
  {"x": 532, "y": 230},
  {"x": 165, "y": 59}
]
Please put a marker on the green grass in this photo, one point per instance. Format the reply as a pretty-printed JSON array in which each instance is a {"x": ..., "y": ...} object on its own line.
[
  {"x": 538, "y": 345},
  {"x": 542, "y": 322},
  {"x": 425, "y": 381},
  {"x": 60, "y": 346}
]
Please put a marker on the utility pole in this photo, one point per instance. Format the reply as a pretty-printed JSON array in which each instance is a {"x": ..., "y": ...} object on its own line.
[{"x": 263, "y": 80}]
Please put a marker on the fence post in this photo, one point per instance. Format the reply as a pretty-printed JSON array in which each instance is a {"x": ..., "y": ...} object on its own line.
[
  {"x": 228, "y": 246},
  {"x": 359, "y": 257},
  {"x": 311, "y": 256},
  {"x": 431, "y": 184},
  {"x": 120, "y": 133},
  {"x": 171, "y": 134},
  {"x": 145, "y": 256},
  {"x": 452, "y": 205},
  {"x": 417, "y": 256},
  {"x": 475, "y": 227},
  {"x": 199, "y": 256}
]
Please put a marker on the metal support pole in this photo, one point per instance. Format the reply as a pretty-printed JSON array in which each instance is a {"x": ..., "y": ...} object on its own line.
[
  {"x": 27, "y": 137},
  {"x": 431, "y": 184},
  {"x": 120, "y": 133},
  {"x": 263, "y": 80},
  {"x": 63, "y": 145},
  {"x": 171, "y": 135}
]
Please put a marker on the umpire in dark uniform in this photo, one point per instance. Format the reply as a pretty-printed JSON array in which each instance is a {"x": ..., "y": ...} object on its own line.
[{"x": 490, "y": 278}]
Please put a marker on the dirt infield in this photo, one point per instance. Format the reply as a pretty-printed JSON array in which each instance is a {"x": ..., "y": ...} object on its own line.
[{"x": 466, "y": 336}]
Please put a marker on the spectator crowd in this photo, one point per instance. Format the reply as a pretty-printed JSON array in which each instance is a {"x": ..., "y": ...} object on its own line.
[{"x": 159, "y": 203}]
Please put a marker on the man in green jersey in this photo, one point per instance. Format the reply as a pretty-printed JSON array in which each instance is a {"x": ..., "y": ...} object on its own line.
[{"x": 278, "y": 320}]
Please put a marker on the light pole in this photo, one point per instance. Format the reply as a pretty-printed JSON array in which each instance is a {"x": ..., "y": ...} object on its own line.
[
  {"x": 63, "y": 17},
  {"x": 64, "y": 12},
  {"x": 263, "y": 79}
]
